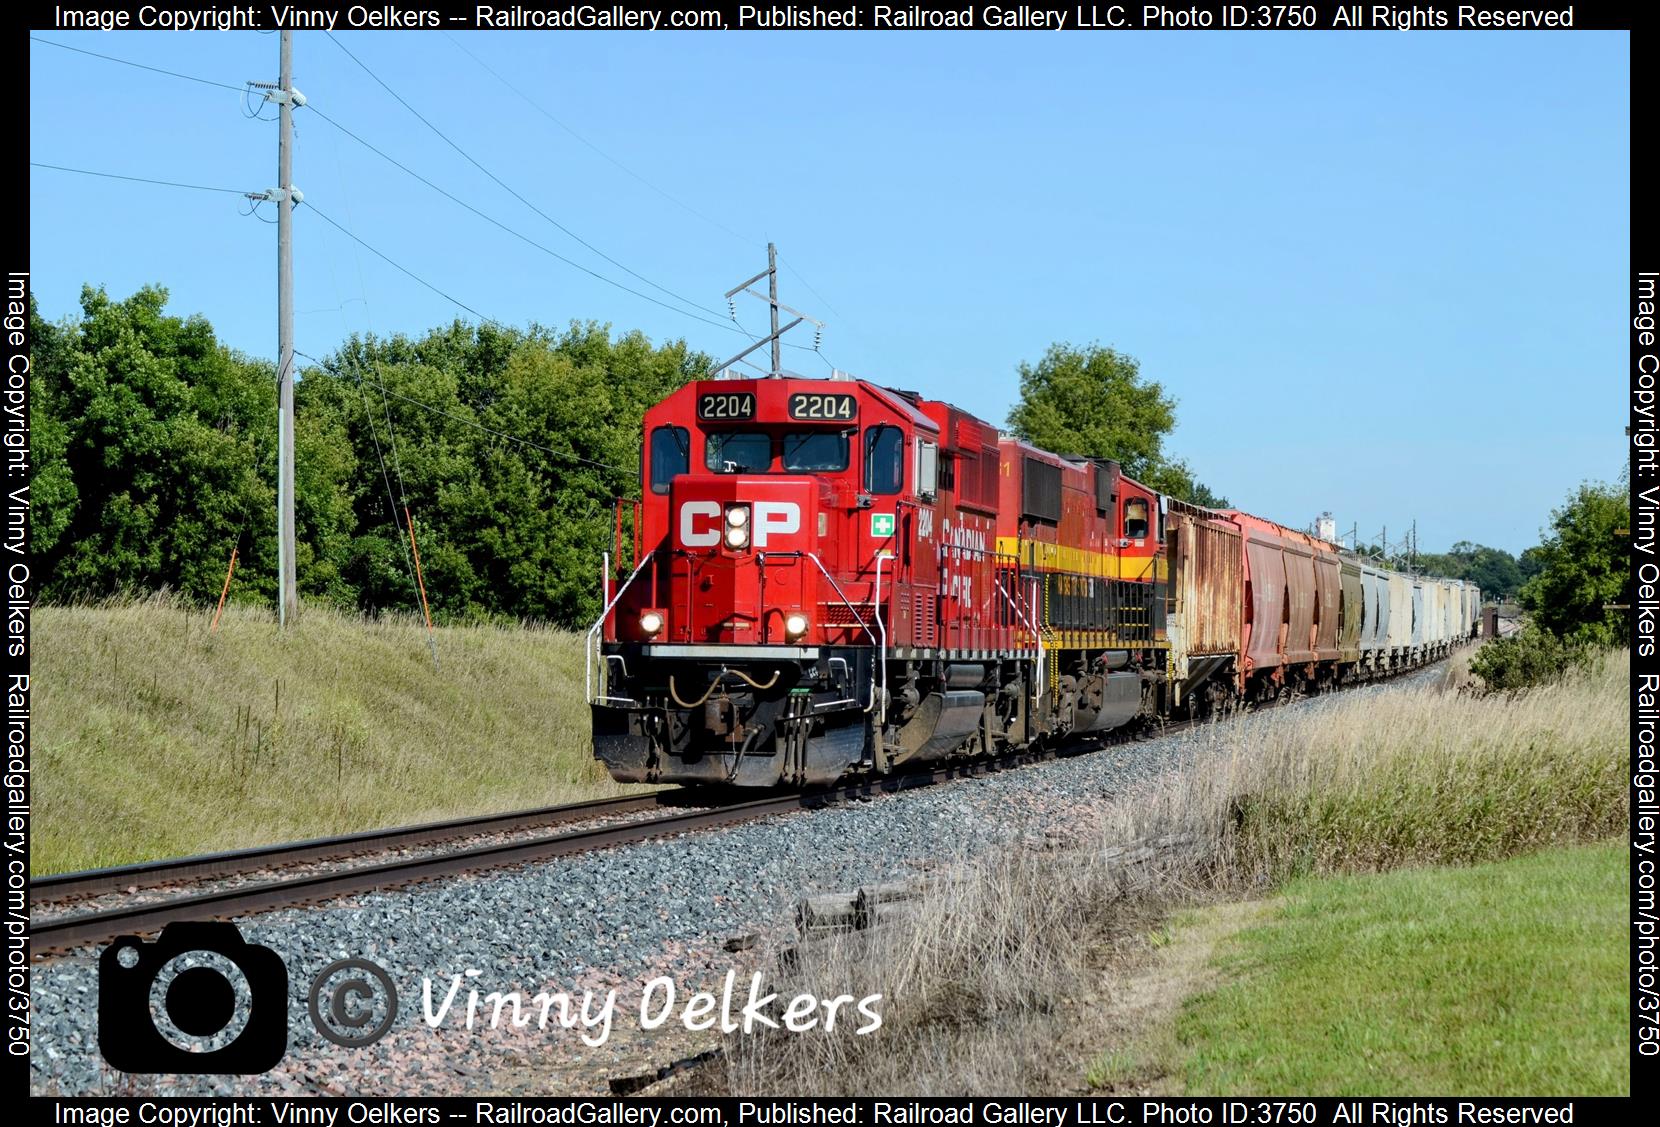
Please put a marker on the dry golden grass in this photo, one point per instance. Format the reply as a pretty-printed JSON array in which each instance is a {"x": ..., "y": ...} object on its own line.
[
  {"x": 1028, "y": 972},
  {"x": 153, "y": 737},
  {"x": 996, "y": 984}
]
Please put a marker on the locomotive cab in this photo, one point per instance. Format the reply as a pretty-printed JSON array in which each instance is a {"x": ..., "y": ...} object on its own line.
[{"x": 742, "y": 641}]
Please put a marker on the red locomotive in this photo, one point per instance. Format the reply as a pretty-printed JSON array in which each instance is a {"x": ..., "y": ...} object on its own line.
[{"x": 832, "y": 578}]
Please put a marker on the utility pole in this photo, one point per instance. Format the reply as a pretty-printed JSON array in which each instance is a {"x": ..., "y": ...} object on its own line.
[
  {"x": 772, "y": 299},
  {"x": 288, "y": 597}
]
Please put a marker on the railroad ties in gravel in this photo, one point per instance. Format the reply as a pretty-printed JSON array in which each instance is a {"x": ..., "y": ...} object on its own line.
[{"x": 605, "y": 921}]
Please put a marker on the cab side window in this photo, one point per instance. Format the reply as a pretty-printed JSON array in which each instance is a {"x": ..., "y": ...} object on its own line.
[
  {"x": 671, "y": 456},
  {"x": 884, "y": 460},
  {"x": 1135, "y": 518}
]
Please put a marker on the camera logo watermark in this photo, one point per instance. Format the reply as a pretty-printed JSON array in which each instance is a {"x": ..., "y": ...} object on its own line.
[{"x": 198, "y": 999}]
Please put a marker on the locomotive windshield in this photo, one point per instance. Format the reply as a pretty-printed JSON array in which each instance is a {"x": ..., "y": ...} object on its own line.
[
  {"x": 820, "y": 451},
  {"x": 738, "y": 452},
  {"x": 815, "y": 451}
]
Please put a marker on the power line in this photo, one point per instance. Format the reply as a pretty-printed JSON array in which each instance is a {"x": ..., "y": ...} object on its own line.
[
  {"x": 613, "y": 160},
  {"x": 511, "y": 231},
  {"x": 140, "y": 66},
  {"x": 397, "y": 265},
  {"x": 822, "y": 299},
  {"x": 448, "y": 195},
  {"x": 392, "y": 506},
  {"x": 503, "y": 184},
  {"x": 680, "y": 203},
  {"x": 136, "y": 179}
]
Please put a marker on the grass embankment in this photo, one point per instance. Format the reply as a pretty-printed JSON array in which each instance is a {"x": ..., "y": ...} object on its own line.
[
  {"x": 154, "y": 738},
  {"x": 1047, "y": 972},
  {"x": 1508, "y": 977}
]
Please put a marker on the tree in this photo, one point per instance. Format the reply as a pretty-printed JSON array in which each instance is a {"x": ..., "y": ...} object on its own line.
[
  {"x": 1582, "y": 567},
  {"x": 1093, "y": 401},
  {"x": 146, "y": 475},
  {"x": 1174, "y": 479},
  {"x": 509, "y": 448}
]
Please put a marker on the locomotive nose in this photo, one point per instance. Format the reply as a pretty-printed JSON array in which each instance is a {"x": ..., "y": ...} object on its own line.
[
  {"x": 744, "y": 551},
  {"x": 743, "y": 514}
]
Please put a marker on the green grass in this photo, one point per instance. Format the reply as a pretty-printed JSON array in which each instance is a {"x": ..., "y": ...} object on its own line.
[
  {"x": 1506, "y": 978},
  {"x": 153, "y": 737}
]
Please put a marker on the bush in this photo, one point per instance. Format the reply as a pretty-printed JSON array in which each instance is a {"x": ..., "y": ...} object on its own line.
[{"x": 1526, "y": 660}]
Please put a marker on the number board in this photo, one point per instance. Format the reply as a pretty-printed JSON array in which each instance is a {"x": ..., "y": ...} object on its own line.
[
  {"x": 818, "y": 405},
  {"x": 727, "y": 405}
]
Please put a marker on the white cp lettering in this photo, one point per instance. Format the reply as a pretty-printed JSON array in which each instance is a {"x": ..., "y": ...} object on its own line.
[
  {"x": 782, "y": 517},
  {"x": 772, "y": 518},
  {"x": 689, "y": 512}
]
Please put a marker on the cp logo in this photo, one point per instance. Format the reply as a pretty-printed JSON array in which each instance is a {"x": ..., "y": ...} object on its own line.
[{"x": 700, "y": 522}]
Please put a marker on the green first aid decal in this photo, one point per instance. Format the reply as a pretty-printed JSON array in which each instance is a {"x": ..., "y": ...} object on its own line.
[{"x": 881, "y": 524}]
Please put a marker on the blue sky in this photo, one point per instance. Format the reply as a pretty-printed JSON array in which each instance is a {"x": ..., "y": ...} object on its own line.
[{"x": 1383, "y": 273}]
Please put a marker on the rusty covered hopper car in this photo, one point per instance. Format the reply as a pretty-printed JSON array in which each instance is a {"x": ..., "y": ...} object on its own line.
[{"x": 1207, "y": 582}]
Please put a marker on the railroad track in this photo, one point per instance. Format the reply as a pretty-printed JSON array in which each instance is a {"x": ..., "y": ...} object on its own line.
[
  {"x": 673, "y": 815},
  {"x": 669, "y": 812}
]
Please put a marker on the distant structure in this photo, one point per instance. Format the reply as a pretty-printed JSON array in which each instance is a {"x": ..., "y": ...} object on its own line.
[{"x": 1326, "y": 528}]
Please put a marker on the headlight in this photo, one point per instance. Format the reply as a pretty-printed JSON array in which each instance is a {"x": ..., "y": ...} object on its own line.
[
  {"x": 737, "y": 515},
  {"x": 795, "y": 625},
  {"x": 737, "y": 537},
  {"x": 651, "y": 623}
]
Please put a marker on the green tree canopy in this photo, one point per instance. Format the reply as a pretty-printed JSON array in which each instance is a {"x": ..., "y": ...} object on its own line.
[
  {"x": 1093, "y": 401},
  {"x": 1582, "y": 567},
  {"x": 508, "y": 446},
  {"x": 145, "y": 475}
]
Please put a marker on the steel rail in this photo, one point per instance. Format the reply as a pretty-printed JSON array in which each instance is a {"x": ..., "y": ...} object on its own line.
[{"x": 236, "y": 862}]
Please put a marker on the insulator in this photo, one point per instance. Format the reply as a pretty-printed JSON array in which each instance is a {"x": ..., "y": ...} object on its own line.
[
  {"x": 732, "y": 309},
  {"x": 818, "y": 338}
]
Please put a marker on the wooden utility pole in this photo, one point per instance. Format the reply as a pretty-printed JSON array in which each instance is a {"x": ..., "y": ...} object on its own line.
[{"x": 288, "y": 597}]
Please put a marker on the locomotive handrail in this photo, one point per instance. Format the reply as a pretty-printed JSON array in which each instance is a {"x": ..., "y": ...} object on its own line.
[
  {"x": 593, "y": 631},
  {"x": 881, "y": 653},
  {"x": 840, "y": 594},
  {"x": 876, "y": 613},
  {"x": 1037, "y": 636},
  {"x": 852, "y": 608}
]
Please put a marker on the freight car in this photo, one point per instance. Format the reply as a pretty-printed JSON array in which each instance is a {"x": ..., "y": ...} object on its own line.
[{"x": 829, "y": 578}]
